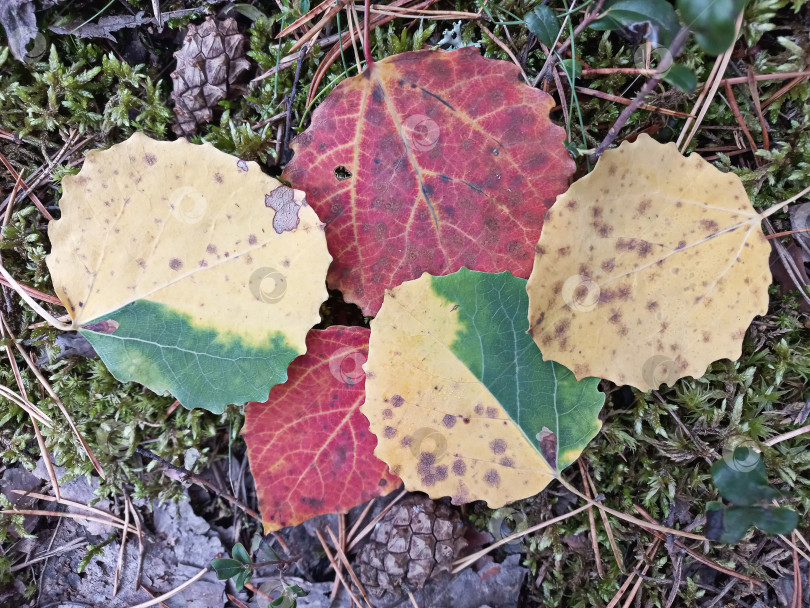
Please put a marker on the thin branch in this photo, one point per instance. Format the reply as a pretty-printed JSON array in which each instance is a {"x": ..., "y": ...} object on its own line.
[
  {"x": 675, "y": 49},
  {"x": 189, "y": 476}
]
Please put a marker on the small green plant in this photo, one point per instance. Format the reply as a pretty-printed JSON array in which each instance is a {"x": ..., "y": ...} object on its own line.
[
  {"x": 741, "y": 480},
  {"x": 239, "y": 566}
]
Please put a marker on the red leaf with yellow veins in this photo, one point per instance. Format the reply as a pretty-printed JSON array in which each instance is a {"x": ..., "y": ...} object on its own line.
[
  {"x": 427, "y": 162},
  {"x": 310, "y": 448}
]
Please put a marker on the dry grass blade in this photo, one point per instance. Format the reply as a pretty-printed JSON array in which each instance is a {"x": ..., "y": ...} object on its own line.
[
  {"x": 121, "y": 550},
  {"x": 505, "y": 49},
  {"x": 137, "y": 519},
  {"x": 33, "y": 367},
  {"x": 334, "y": 563},
  {"x": 697, "y": 556},
  {"x": 789, "y": 435},
  {"x": 714, "y": 78},
  {"x": 752, "y": 86},
  {"x": 592, "y": 522},
  {"x": 318, "y": 27},
  {"x": 367, "y": 530},
  {"x": 74, "y": 544},
  {"x": 344, "y": 560},
  {"x": 46, "y": 457},
  {"x": 98, "y": 520},
  {"x": 647, "y": 556},
  {"x": 629, "y": 518},
  {"x": 735, "y": 109},
  {"x": 627, "y": 102},
  {"x": 469, "y": 560},
  {"x": 72, "y": 503},
  {"x": 31, "y": 195},
  {"x": 29, "y": 408},
  {"x": 305, "y": 18},
  {"x": 34, "y": 293},
  {"x": 608, "y": 528},
  {"x": 11, "y": 282},
  {"x": 173, "y": 592}
]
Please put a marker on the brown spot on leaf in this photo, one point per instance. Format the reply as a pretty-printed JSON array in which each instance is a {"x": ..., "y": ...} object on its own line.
[
  {"x": 498, "y": 446},
  {"x": 492, "y": 478},
  {"x": 175, "y": 264},
  {"x": 449, "y": 421}
]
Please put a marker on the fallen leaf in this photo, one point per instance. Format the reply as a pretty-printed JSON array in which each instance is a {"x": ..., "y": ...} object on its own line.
[
  {"x": 309, "y": 446},
  {"x": 459, "y": 397},
  {"x": 427, "y": 162},
  {"x": 20, "y": 23},
  {"x": 648, "y": 269},
  {"x": 172, "y": 264}
]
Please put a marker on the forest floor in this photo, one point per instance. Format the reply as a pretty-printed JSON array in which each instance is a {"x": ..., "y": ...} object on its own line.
[{"x": 97, "y": 72}]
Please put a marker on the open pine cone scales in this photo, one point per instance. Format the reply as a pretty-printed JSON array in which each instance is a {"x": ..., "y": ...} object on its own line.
[
  {"x": 210, "y": 65},
  {"x": 417, "y": 540}
]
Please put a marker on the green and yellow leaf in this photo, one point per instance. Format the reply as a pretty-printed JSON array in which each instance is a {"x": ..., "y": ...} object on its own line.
[
  {"x": 458, "y": 394},
  {"x": 189, "y": 270}
]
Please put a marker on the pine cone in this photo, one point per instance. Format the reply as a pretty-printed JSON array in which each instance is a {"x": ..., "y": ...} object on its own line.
[
  {"x": 417, "y": 540},
  {"x": 209, "y": 66}
]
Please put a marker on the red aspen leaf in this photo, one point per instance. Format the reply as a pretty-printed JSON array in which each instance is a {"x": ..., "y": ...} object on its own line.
[
  {"x": 427, "y": 162},
  {"x": 310, "y": 448}
]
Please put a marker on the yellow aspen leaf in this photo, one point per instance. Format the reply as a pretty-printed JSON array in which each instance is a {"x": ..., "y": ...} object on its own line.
[{"x": 648, "y": 269}]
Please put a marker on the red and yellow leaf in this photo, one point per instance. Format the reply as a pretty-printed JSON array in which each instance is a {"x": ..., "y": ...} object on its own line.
[
  {"x": 310, "y": 448},
  {"x": 427, "y": 162}
]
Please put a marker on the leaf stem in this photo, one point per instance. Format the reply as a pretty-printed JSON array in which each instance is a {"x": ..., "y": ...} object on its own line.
[
  {"x": 628, "y": 518},
  {"x": 770, "y": 211}
]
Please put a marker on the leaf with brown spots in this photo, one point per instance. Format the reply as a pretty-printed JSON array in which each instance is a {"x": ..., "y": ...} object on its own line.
[
  {"x": 459, "y": 396},
  {"x": 427, "y": 162},
  {"x": 648, "y": 269},
  {"x": 310, "y": 448},
  {"x": 189, "y": 270}
]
